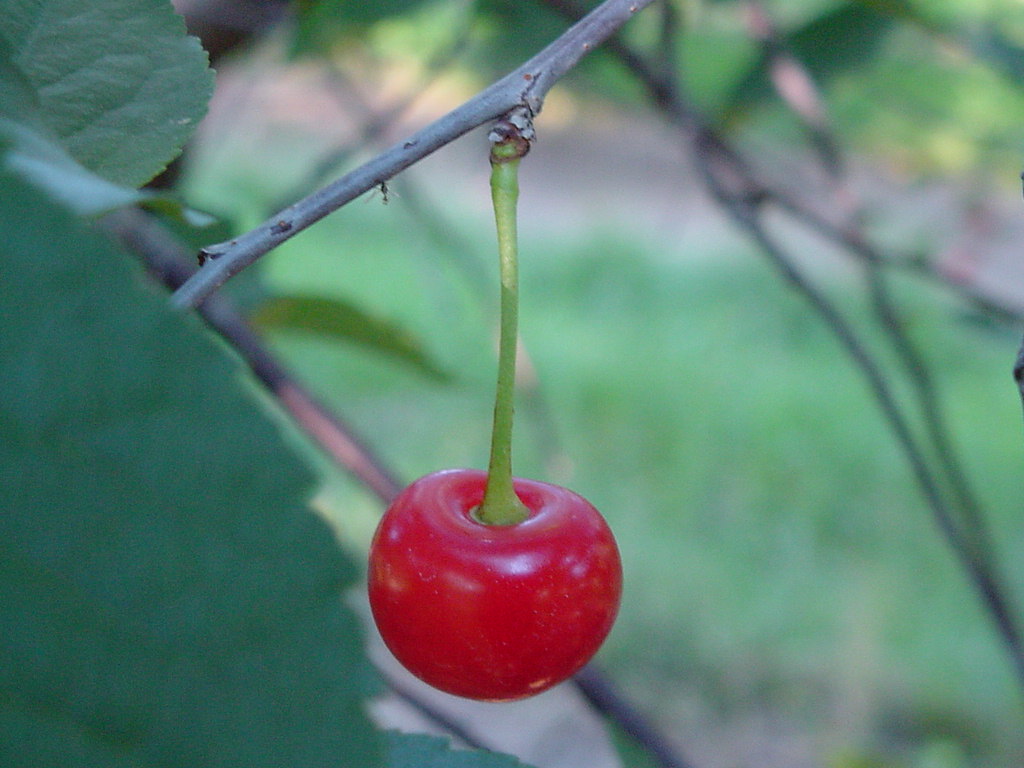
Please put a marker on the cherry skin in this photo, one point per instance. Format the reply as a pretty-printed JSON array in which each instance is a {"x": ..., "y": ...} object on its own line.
[{"x": 492, "y": 612}]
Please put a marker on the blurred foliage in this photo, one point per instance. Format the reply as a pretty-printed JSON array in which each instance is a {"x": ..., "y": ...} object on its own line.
[
  {"x": 323, "y": 24},
  {"x": 343, "y": 321}
]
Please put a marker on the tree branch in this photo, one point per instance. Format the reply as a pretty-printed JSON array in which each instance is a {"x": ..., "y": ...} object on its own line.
[
  {"x": 968, "y": 544},
  {"x": 376, "y": 121},
  {"x": 527, "y": 87},
  {"x": 605, "y": 698},
  {"x": 795, "y": 86}
]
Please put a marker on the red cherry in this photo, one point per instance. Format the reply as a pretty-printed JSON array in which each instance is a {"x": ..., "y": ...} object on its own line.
[{"x": 492, "y": 612}]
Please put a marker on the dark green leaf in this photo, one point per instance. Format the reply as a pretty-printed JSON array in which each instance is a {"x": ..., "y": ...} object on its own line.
[
  {"x": 94, "y": 72},
  {"x": 844, "y": 38},
  {"x": 49, "y": 167},
  {"x": 339, "y": 319},
  {"x": 418, "y": 751},
  {"x": 166, "y": 598}
]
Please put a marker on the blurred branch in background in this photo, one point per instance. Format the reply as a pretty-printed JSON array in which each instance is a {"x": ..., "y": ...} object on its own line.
[
  {"x": 745, "y": 197},
  {"x": 168, "y": 261},
  {"x": 599, "y": 691},
  {"x": 796, "y": 88},
  {"x": 1018, "y": 372}
]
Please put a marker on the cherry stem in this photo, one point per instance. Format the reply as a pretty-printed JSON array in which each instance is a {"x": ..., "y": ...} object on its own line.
[{"x": 501, "y": 505}]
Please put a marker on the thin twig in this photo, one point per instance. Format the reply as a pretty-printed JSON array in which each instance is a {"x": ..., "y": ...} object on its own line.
[
  {"x": 376, "y": 122},
  {"x": 807, "y": 103},
  {"x": 607, "y": 699},
  {"x": 973, "y": 522},
  {"x": 804, "y": 99},
  {"x": 448, "y": 724},
  {"x": 527, "y": 86},
  {"x": 980, "y": 570}
]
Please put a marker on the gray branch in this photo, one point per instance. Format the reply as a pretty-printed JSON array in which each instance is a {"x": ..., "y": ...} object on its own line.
[{"x": 525, "y": 87}]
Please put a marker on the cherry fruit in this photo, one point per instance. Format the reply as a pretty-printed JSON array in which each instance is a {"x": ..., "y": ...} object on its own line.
[
  {"x": 481, "y": 584},
  {"x": 492, "y": 612}
]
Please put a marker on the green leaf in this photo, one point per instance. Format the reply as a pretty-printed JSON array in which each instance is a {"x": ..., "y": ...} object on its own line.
[
  {"x": 117, "y": 82},
  {"x": 166, "y": 598},
  {"x": 339, "y": 319},
  {"x": 420, "y": 751},
  {"x": 49, "y": 167}
]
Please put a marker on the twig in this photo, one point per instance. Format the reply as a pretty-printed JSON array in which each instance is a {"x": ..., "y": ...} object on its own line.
[
  {"x": 797, "y": 89},
  {"x": 449, "y": 725},
  {"x": 972, "y": 522},
  {"x": 605, "y": 698},
  {"x": 376, "y": 122},
  {"x": 526, "y": 86},
  {"x": 980, "y": 570},
  {"x": 804, "y": 99},
  {"x": 794, "y": 84}
]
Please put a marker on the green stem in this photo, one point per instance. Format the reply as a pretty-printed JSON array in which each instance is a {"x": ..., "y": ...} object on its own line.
[{"x": 501, "y": 506}]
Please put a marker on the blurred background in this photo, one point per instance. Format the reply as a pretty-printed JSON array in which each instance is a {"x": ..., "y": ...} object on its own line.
[{"x": 791, "y": 599}]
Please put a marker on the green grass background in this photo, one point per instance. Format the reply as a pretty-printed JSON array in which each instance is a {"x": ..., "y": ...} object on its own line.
[{"x": 780, "y": 561}]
